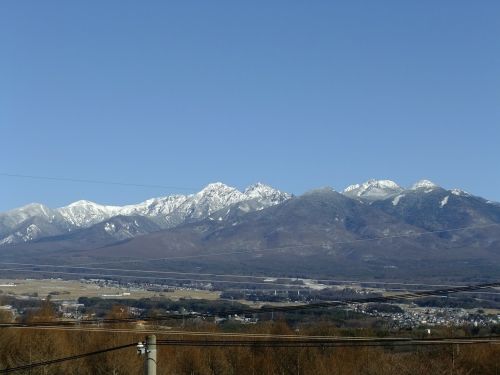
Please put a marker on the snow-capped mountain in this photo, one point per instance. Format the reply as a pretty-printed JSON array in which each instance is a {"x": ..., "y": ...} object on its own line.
[
  {"x": 36, "y": 221},
  {"x": 83, "y": 214},
  {"x": 15, "y": 217},
  {"x": 429, "y": 229},
  {"x": 424, "y": 204},
  {"x": 325, "y": 233},
  {"x": 426, "y": 185},
  {"x": 376, "y": 190},
  {"x": 372, "y": 190}
]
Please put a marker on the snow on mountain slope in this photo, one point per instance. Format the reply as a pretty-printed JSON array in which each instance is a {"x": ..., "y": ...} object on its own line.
[
  {"x": 372, "y": 190},
  {"x": 83, "y": 213},
  {"x": 376, "y": 190},
  {"x": 174, "y": 210},
  {"x": 13, "y": 218},
  {"x": 155, "y": 207},
  {"x": 212, "y": 198},
  {"x": 460, "y": 193},
  {"x": 166, "y": 212},
  {"x": 265, "y": 193},
  {"x": 220, "y": 202},
  {"x": 424, "y": 184}
]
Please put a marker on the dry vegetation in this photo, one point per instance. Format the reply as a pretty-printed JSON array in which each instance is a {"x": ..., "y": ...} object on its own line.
[{"x": 21, "y": 346}]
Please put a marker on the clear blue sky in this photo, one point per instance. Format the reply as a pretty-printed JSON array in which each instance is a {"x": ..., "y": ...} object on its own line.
[{"x": 292, "y": 93}]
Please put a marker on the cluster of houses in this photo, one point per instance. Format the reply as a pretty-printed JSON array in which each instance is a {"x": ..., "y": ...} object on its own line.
[{"x": 411, "y": 316}]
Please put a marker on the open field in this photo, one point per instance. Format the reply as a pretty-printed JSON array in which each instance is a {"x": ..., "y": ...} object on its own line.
[{"x": 73, "y": 289}]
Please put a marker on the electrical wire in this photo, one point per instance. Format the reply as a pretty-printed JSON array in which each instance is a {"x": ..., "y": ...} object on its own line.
[
  {"x": 272, "y": 309},
  {"x": 265, "y": 336},
  {"x": 299, "y": 343},
  {"x": 268, "y": 282},
  {"x": 271, "y": 284},
  {"x": 318, "y": 343},
  {"x": 23, "y": 270},
  {"x": 64, "y": 359},
  {"x": 161, "y": 332},
  {"x": 287, "y": 247},
  {"x": 100, "y": 182},
  {"x": 378, "y": 299}
]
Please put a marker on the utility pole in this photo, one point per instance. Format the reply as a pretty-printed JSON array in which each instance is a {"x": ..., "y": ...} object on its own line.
[
  {"x": 150, "y": 355},
  {"x": 452, "y": 360},
  {"x": 149, "y": 350}
]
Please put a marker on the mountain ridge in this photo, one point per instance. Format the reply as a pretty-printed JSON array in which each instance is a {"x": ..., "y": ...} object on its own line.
[
  {"x": 18, "y": 225},
  {"x": 418, "y": 232},
  {"x": 36, "y": 221}
]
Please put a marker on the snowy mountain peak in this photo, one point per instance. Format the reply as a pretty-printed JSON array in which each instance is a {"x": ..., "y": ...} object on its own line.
[
  {"x": 258, "y": 186},
  {"x": 89, "y": 205},
  {"x": 85, "y": 213},
  {"x": 81, "y": 203},
  {"x": 260, "y": 190},
  {"x": 372, "y": 183},
  {"x": 164, "y": 212},
  {"x": 424, "y": 184},
  {"x": 15, "y": 217},
  {"x": 373, "y": 189},
  {"x": 217, "y": 188},
  {"x": 265, "y": 194}
]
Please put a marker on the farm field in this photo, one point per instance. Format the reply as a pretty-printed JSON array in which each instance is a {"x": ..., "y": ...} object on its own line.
[{"x": 60, "y": 289}]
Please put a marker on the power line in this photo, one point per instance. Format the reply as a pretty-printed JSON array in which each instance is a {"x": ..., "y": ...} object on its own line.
[
  {"x": 319, "y": 343},
  {"x": 470, "y": 292},
  {"x": 397, "y": 297},
  {"x": 134, "y": 270},
  {"x": 275, "y": 343},
  {"x": 226, "y": 334},
  {"x": 271, "y": 309},
  {"x": 101, "y": 182},
  {"x": 208, "y": 333},
  {"x": 64, "y": 359},
  {"x": 264, "y": 336},
  {"x": 286, "y": 247},
  {"x": 24, "y": 270},
  {"x": 270, "y": 284},
  {"x": 237, "y": 276}
]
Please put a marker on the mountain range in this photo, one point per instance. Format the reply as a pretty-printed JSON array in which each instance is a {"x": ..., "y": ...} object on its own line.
[
  {"x": 373, "y": 229},
  {"x": 36, "y": 221}
]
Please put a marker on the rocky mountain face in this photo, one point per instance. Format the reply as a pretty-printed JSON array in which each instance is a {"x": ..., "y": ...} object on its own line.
[
  {"x": 372, "y": 190},
  {"x": 427, "y": 205},
  {"x": 376, "y": 228},
  {"x": 328, "y": 234},
  {"x": 36, "y": 221}
]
